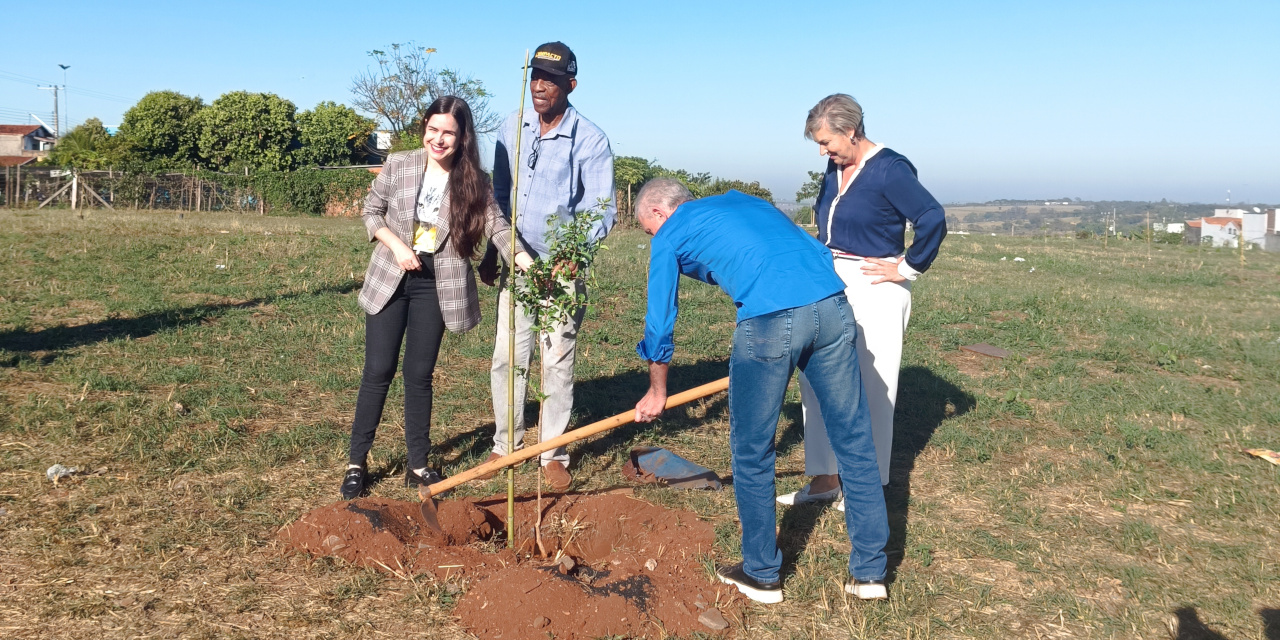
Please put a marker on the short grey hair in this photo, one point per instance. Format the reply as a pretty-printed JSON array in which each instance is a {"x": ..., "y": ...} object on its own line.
[
  {"x": 838, "y": 112},
  {"x": 668, "y": 193}
]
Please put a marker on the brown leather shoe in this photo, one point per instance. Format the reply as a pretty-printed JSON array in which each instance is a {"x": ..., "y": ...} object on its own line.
[
  {"x": 492, "y": 456},
  {"x": 557, "y": 476}
]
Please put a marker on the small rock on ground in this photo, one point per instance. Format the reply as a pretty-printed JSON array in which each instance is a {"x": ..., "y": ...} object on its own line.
[{"x": 713, "y": 619}]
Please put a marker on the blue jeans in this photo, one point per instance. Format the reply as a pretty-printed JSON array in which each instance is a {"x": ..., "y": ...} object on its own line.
[{"x": 820, "y": 339}]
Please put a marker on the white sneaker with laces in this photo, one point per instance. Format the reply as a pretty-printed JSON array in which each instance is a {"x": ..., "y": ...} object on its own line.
[{"x": 802, "y": 496}]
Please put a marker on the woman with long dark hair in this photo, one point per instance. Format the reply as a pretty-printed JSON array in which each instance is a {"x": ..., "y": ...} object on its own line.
[{"x": 428, "y": 211}]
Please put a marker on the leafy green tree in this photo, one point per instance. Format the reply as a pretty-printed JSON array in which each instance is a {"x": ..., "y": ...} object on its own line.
[
  {"x": 89, "y": 146},
  {"x": 254, "y": 130},
  {"x": 161, "y": 128},
  {"x": 332, "y": 134},
  {"x": 697, "y": 183},
  {"x": 404, "y": 84},
  {"x": 752, "y": 188},
  {"x": 700, "y": 185},
  {"x": 810, "y": 189},
  {"x": 630, "y": 171}
]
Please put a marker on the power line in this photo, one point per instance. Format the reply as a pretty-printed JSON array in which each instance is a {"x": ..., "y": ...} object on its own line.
[
  {"x": 24, "y": 113},
  {"x": 88, "y": 93},
  {"x": 21, "y": 78}
]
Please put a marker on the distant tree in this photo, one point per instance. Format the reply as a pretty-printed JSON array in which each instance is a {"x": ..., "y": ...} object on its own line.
[
  {"x": 810, "y": 189},
  {"x": 161, "y": 127},
  {"x": 628, "y": 168},
  {"x": 805, "y": 215},
  {"x": 630, "y": 171},
  {"x": 697, "y": 183},
  {"x": 253, "y": 130},
  {"x": 404, "y": 84},
  {"x": 752, "y": 188},
  {"x": 89, "y": 146},
  {"x": 332, "y": 134}
]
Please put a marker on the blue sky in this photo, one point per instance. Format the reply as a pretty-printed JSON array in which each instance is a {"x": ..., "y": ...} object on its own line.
[{"x": 1097, "y": 100}]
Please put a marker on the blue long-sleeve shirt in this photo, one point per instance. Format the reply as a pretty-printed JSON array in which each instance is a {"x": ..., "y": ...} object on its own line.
[
  {"x": 870, "y": 218},
  {"x": 572, "y": 169},
  {"x": 742, "y": 244}
]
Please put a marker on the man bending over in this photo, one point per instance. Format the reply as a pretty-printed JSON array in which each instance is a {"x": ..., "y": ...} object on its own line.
[{"x": 792, "y": 313}]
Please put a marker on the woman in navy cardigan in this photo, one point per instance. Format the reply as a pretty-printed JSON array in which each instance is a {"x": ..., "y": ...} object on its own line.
[{"x": 868, "y": 196}]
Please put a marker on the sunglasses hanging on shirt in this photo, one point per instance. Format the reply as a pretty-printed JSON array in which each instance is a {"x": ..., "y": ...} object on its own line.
[{"x": 533, "y": 153}]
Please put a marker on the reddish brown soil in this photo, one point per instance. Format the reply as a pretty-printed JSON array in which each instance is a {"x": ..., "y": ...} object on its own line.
[{"x": 637, "y": 568}]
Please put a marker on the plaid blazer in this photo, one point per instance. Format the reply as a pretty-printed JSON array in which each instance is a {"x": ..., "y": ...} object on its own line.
[{"x": 392, "y": 204}]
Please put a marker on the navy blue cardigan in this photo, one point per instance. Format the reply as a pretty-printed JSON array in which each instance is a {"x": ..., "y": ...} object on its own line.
[{"x": 870, "y": 220}]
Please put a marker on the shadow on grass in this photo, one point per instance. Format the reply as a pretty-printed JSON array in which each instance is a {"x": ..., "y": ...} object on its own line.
[
  {"x": 925, "y": 400},
  {"x": 1270, "y": 623},
  {"x": 1190, "y": 627},
  {"x": 47, "y": 345},
  {"x": 605, "y": 397}
]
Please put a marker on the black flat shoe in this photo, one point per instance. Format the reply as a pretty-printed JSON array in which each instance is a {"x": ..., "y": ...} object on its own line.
[
  {"x": 766, "y": 592},
  {"x": 428, "y": 478},
  {"x": 353, "y": 483}
]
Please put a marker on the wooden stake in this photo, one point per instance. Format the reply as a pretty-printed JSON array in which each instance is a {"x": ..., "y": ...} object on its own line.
[{"x": 511, "y": 313}]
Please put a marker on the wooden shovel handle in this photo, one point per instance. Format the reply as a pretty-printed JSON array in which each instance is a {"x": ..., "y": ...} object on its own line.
[{"x": 526, "y": 453}]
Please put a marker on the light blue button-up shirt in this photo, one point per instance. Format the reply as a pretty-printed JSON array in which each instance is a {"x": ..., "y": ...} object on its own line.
[{"x": 573, "y": 171}]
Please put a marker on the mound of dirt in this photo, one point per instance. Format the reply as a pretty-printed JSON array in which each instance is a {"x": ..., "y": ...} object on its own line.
[{"x": 614, "y": 565}]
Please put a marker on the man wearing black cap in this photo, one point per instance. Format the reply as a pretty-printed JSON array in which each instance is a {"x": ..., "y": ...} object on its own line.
[{"x": 566, "y": 168}]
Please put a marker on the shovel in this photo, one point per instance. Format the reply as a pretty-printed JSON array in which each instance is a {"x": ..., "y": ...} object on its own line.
[{"x": 428, "y": 493}]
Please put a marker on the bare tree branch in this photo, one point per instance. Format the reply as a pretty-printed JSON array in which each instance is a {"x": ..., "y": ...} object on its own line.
[{"x": 404, "y": 84}]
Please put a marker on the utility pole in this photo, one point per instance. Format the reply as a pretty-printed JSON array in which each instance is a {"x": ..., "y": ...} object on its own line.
[
  {"x": 66, "y": 109},
  {"x": 1240, "y": 242},
  {"x": 54, "y": 88},
  {"x": 1148, "y": 234}
]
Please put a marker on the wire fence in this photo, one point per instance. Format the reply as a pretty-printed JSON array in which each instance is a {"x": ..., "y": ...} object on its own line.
[
  {"x": 311, "y": 191},
  {"x": 29, "y": 188},
  {"x": 326, "y": 191}
]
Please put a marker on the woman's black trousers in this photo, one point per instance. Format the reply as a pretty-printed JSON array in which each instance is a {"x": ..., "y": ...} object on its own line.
[{"x": 412, "y": 314}]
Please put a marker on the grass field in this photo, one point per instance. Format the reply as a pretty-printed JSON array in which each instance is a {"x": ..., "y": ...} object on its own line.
[{"x": 1091, "y": 485}]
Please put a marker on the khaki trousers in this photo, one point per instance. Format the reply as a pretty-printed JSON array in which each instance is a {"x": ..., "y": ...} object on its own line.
[{"x": 557, "y": 350}]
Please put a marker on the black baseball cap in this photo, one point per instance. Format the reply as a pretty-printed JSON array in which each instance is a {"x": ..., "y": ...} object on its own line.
[{"x": 555, "y": 58}]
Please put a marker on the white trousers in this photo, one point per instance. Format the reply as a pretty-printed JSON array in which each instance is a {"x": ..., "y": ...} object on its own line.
[
  {"x": 881, "y": 312},
  {"x": 558, "y": 349}
]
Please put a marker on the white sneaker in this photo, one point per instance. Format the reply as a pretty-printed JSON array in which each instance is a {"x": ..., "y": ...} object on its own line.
[
  {"x": 871, "y": 590},
  {"x": 840, "y": 506},
  {"x": 802, "y": 496}
]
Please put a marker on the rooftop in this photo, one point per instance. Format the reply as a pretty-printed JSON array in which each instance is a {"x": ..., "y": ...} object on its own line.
[
  {"x": 1222, "y": 222},
  {"x": 16, "y": 161},
  {"x": 18, "y": 129}
]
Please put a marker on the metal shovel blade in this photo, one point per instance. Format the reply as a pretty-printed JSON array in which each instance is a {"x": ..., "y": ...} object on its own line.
[{"x": 430, "y": 515}]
